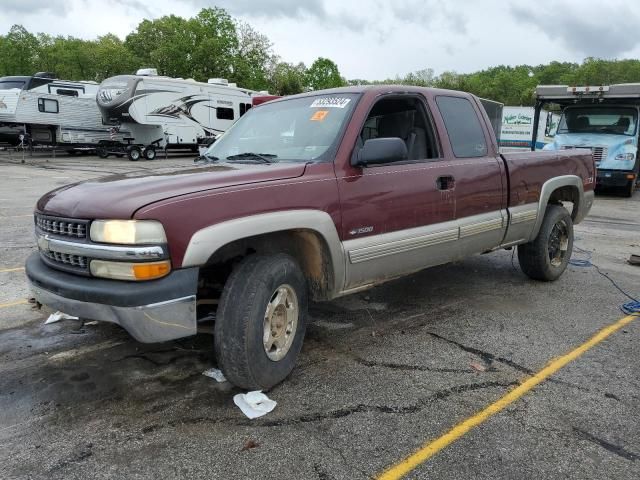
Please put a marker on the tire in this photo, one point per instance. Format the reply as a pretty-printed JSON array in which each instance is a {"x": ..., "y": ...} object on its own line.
[
  {"x": 547, "y": 256},
  {"x": 629, "y": 189},
  {"x": 239, "y": 332},
  {"x": 150, "y": 152},
  {"x": 134, "y": 153},
  {"x": 102, "y": 152}
]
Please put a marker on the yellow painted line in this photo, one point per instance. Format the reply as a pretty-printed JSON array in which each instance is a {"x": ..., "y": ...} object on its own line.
[
  {"x": 12, "y": 304},
  {"x": 17, "y": 269},
  {"x": 407, "y": 465}
]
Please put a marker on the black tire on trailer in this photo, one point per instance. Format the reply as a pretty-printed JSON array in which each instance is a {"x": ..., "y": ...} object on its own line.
[
  {"x": 134, "y": 153},
  {"x": 102, "y": 151},
  {"x": 150, "y": 152},
  {"x": 261, "y": 321},
  {"x": 546, "y": 257}
]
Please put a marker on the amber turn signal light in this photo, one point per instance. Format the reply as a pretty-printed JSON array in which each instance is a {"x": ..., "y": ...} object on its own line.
[{"x": 149, "y": 271}]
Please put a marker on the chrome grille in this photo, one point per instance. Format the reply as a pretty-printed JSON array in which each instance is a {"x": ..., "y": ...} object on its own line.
[
  {"x": 65, "y": 259},
  {"x": 62, "y": 226},
  {"x": 599, "y": 153}
]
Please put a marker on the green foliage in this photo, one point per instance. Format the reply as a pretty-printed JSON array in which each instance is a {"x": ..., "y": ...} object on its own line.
[{"x": 323, "y": 73}]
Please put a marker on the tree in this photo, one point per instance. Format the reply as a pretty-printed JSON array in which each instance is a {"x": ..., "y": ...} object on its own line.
[
  {"x": 322, "y": 74},
  {"x": 251, "y": 59},
  {"x": 18, "y": 52},
  {"x": 286, "y": 78}
]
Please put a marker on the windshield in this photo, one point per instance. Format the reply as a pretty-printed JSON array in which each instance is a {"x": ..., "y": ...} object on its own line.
[
  {"x": 300, "y": 129},
  {"x": 9, "y": 84},
  {"x": 616, "y": 120}
]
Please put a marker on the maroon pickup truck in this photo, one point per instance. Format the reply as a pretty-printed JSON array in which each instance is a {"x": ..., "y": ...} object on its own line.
[{"x": 312, "y": 196}]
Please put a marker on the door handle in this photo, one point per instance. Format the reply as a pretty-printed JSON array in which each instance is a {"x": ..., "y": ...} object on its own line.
[{"x": 446, "y": 182}]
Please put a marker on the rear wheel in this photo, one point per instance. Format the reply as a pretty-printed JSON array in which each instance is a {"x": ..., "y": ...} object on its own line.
[
  {"x": 150, "y": 152},
  {"x": 134, "y": 154},
  {"x": 547, "y": 256},
  {"x": 261, "y": 321}
]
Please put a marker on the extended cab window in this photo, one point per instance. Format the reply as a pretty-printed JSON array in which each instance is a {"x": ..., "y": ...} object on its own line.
[
  {"x": 405, "y": 118},
  {"x": 463, "y": 127}
]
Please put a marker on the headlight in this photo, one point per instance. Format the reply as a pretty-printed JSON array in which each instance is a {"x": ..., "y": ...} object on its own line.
[
  {"x": 130, "y": 271},
  {"x": 127, "y": 232},
  {"x": 625, "y": 156}
]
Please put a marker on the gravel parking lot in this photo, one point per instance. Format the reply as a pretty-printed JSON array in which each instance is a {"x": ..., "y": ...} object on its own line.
[{"x": 381, "y": 374}]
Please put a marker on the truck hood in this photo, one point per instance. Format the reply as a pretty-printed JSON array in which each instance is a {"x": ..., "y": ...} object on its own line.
[
  {"x": 119, "y": 196},
  {"x": 615, "y": 144}
]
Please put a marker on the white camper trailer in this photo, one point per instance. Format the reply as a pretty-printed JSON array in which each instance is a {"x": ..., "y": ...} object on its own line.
[
  {"x": 54, "y": 112},
  {"x": 169, "y": 112}
]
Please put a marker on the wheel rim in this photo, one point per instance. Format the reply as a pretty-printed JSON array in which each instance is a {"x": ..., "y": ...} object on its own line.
[
  {"x": 280, "y": 322},
  {"x": 135, "y": 154},
  {"x": 558, "y": 243}
]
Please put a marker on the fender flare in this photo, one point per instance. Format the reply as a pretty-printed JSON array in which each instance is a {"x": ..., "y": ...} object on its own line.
[
  {"x": 207, "y": 241},
  {"x": 580, "y": 209}
]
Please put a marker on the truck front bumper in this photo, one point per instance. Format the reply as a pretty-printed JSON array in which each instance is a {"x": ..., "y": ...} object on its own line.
[
  {"x": 153, "y": 311},
  {"x": 613, "y": 178}
]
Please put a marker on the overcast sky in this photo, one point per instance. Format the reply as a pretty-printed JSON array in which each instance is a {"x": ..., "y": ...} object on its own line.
[{"x": 381, "y": 38}]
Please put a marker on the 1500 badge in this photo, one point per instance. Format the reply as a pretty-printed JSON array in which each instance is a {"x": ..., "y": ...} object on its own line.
[{"x": 361, "y": 230}]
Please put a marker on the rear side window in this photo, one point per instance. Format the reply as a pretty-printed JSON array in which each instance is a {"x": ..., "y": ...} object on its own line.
[{"x": 463, "y": 127}]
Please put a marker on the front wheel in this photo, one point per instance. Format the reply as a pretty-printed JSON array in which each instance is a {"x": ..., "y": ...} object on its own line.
[
  {"x": 629, "y": 189},
  {"x": 134, "y": 153},
  {"x": 261, "y": 321},
  {"x": 547, "y": 256}
]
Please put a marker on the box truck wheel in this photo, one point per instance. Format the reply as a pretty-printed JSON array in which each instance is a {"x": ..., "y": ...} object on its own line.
[
  {"x": 102, "y": 152},
  {"x": 134, "y": 153},
  {"x": 547, "y": 256},
  {"x": 150, "y": 152},
  {"x": 261, "y": 320}
]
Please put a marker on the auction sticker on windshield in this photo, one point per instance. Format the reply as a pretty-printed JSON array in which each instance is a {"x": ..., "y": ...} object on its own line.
[
  {"x": 319, "y": 115},
  {"x": 330, "y": 102}
]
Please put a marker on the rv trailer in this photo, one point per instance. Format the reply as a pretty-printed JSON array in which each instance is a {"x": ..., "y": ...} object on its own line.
[
  {"x": 164, "y": 112},
  {"x": 49, "y": 111}
]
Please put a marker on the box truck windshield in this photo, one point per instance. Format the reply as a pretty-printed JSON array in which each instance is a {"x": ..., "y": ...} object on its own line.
[{"x": 612, "y": 120}]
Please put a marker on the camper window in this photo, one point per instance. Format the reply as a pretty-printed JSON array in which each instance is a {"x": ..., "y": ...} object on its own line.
[
  {"x": 244, "y": 108},
  {"x": 47, "y": 105},
  {"x": 223, "y": 113},
  {"x": 8, "y": 85}
]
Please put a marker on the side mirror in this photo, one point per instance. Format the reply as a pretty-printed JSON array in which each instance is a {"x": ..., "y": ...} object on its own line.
[{"x": 380, "y": 150}]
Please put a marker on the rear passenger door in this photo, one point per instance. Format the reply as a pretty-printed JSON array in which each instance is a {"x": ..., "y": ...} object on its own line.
[
  {"x": 399, "y": 216},
  {"x": 476, "y": 172}
]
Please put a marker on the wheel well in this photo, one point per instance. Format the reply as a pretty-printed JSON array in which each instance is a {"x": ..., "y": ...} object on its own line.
[
  {"x": 307, "y": 247},
  {"x": 568, "y": 193}
]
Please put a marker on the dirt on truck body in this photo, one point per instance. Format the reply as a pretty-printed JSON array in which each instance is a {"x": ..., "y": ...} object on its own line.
[{"x": 312, "y": 196}]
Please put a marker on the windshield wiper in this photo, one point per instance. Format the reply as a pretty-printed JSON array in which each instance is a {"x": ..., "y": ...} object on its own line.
[
  {"x": 205, "y": 159},
  {"x": 263, "y": 157}
]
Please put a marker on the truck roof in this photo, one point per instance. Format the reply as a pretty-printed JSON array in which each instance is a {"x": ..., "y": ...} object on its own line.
[
  {"x": 380, "y": 89},
  {"x": 566, "y": 94}
]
